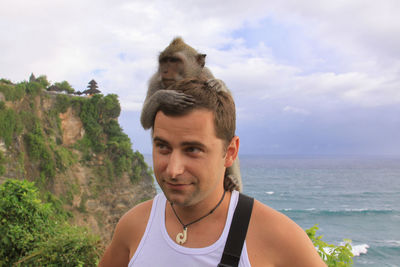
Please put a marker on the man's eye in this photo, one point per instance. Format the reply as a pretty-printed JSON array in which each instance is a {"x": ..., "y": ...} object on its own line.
[
  {"x": 193, "y": 150},
  {"x": 162, "y": 148}
]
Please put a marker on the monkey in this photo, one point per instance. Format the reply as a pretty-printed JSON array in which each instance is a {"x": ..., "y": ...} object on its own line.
[{"x": 176, "y": 62}]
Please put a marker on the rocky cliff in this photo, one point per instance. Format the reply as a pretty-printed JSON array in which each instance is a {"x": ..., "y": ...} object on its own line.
[{"x": 73, "y": 148}]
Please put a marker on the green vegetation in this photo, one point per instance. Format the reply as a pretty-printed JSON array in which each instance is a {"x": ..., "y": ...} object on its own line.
[
  {"x": 33, "y": 234},
  {"x": 33, "y": 88},
  {"x": 9, "y": 124},
  {"x": 65, "y": 86},
  {"x": 12, "y": 92},
  {"x": 63, "y": 102},
  {"x": 334, "y": 256},
  {"x": 5, "y": 81},
  {"x": 33, "y": 231},
  {"x": 103, "y": 134},
  {"x": 39, "y": 151},
  {"x": 2, "y": 161},
  {"x": 42, "y": 80}
]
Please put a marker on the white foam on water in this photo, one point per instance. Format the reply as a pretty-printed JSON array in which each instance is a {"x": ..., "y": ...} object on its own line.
[
  {"x": 395, "y": 243},
  {"x": 357, "y": 250},
  {"x": 270, "y": 192}
]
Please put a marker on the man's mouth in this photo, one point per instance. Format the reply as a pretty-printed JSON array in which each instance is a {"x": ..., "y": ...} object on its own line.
[{"x": 177, "y": 186}]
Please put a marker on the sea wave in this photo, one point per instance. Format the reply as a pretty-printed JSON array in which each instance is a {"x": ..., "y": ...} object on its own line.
[
  {"x": 391, "y": 243},
  {"x": 340, "y": 212},
  {"x": 357, "y": 250}
]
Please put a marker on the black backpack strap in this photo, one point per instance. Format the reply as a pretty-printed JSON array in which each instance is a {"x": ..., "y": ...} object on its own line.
[{"x": 237, "y": 232}]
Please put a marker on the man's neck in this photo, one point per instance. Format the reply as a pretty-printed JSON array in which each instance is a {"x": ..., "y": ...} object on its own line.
[
  {"x": 203, "y": 232},
  {"x": 203, "y": 207}
]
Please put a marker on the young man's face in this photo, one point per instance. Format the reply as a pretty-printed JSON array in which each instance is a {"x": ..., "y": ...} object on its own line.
[{"x": 189, "y": 161}]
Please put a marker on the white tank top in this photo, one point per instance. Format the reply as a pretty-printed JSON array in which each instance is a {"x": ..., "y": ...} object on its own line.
[{"x": 157, "y": 249}]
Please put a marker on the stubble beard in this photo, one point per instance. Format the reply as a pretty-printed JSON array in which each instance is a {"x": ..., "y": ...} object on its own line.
[{"x": 184, "y": 198}]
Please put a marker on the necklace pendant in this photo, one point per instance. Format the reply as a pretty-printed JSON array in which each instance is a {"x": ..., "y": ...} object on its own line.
[{"x": 181, "y": 237}]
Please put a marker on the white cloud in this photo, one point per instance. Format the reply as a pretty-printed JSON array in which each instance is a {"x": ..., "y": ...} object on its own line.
[{"x": 290, "y": 109}]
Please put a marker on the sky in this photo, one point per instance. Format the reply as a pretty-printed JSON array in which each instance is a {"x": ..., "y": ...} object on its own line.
[{"x": 308, "y": 77}]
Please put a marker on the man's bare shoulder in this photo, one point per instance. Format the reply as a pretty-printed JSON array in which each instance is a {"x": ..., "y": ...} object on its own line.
[
  {"x": 274, "y": 238},
  {"x": 127, "y": 235},
  {"x": 132, "y": 224},
  {"x": 138, "y": 214}
]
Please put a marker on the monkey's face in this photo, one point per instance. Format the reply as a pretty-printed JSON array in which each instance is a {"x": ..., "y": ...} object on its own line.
[
  {"x": 171, "y": 69},
  {"x": 176, "y": 67}
]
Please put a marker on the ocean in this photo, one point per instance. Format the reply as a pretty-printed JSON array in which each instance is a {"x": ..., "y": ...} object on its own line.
[{"x": 355, "y": 198}]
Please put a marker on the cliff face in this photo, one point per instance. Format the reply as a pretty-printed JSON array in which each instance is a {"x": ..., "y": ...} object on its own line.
[{"x": 74, "y": 148}]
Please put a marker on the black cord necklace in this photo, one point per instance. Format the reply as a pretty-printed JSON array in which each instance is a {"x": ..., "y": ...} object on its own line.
[{"x": 182, "y": 237}]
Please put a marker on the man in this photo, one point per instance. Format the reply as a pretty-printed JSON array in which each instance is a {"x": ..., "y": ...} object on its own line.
[{"x": 188, "y": 224}]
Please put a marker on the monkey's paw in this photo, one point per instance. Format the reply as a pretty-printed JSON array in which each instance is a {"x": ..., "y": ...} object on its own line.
[
  {"x": 176, "y": 100},
  {"x": 217, "y": 85},
  {"x": 230, "y": 183}
]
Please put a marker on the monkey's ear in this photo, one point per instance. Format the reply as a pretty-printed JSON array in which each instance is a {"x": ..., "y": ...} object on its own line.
[{"x": 201, "y": 59}]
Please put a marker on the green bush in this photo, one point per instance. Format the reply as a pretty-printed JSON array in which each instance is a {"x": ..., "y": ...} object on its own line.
[
  {"x": 24, "y": 220},
  {"x": 13, "y": 92},
  {"x": 32, "y": 234},
  {"x": 334, "y": 256},
  {"x": 8, "y": 125},
  {"x": 110, "y": 107},
  {"x": 63, "y": 157},
  {"x": 90, "y": 115},
  {"x": 6, "y": 81},
  {"x": 37, "y": 150},
  {"x": 42, "y": 80},
  {"x": 70, "y": 246},
  {"x": 63, "y": 102},
  {"x": 33, "y": 88},
  {"x": 65, "y": 86},
  {"x": 2, "y": 161}
]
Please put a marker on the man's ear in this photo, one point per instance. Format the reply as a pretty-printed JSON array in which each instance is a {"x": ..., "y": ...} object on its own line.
[{"x": 232, "y": 151}]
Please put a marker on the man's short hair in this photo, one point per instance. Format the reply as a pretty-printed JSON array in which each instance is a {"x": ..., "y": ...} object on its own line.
[{"x": 220, "y": 103}]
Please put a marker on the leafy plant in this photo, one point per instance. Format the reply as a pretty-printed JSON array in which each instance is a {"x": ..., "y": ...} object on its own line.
[
  {"x": 65, "y": 86},
  {"x": 8, "y": 125},
  {"x": 38, "y": 151},
  {"x": 2, "y": 161},
  {"x": 12, "y": 92},
  {"x": 32, "y": 233},
  {"x": 69, "y": 246},
  {"x": 334, "y": 256},
  {"x": 42, "y": 80},
  {"x": 6, "y": 81},
  {"x": 62, "y": 104},
  {"x": 23, "y": 220},
  {"x": 33, "y": 88}
]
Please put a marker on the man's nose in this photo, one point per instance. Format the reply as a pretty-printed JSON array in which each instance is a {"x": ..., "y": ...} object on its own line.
[{"x": 175, "y": 164}]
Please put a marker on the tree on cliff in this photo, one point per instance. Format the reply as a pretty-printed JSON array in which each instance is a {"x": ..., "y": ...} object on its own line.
[{"x": 62, "y": 86}]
